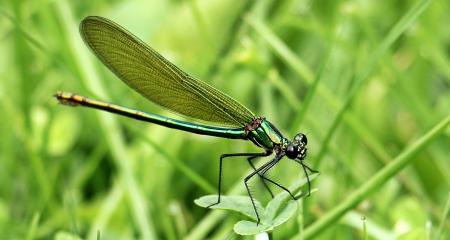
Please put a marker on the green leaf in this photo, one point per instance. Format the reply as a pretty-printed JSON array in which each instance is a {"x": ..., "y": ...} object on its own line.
[
  {"x": 274, "y": 205},
  {"x": 250, "y": 228},
  {"x": 239, "y": 204},
  {"x": 267, "y": 223},
  {"x": 278, "y": 210}
]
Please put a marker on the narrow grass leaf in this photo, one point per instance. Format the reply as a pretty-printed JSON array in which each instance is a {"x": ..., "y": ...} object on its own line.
[
  {"x": 381, "y": 177},
  {"x": 300, "y": 117},
  {"x": 33, "y": 226},
  {"x": 305, "y": 72},
  {"x": 178, "y": 164},
  {"x": 441, "y": 231},
  {"x": 362, "y": 78}
]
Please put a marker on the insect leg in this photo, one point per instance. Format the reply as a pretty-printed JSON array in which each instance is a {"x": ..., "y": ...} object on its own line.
[
  {"x": 250, "y": 159},
  {"x": 257, "y": 171},
  {"x": 222, "y": 157},
  {"x": 305, "y": 167},
  {"x": 262, "y": 174}
]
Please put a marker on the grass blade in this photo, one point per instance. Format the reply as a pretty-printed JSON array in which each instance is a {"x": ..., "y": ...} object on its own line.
[
  {"x": 400, "y": 162},
  {"x": 440, "y": 233},
  {"x": 362, "y": 78}
]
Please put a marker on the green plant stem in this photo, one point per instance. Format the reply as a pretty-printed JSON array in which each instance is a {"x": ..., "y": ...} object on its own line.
[
  {"x": 364, "y": 230},
  {"x": 400, "y": 162}
]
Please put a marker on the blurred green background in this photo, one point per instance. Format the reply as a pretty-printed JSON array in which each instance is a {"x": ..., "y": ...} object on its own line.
[{"x": 363, "y": 80}]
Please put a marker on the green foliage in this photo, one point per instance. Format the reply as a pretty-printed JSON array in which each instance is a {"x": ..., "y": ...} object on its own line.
[
  {"x": 367, "y": 81},
  {"x": 277, "y": 211}
]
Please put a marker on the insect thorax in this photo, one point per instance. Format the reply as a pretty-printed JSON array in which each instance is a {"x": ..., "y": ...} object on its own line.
[{"x": 265, "y": 135}]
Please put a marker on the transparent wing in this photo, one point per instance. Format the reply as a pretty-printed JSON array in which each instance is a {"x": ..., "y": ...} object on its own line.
[{"x": 157, "y": 79}]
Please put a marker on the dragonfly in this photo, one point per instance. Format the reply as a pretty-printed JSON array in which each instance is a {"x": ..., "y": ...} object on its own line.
[{"x": 160, "y": 81}]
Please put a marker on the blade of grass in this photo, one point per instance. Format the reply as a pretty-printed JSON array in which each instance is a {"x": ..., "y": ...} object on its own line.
[
  {"x": 231, "y": 36},
  {"x": 304, "y": 72},
  {"x": 281, "y": 49},
  {"x": 207, "y": 223},
  {"x": 32, "y": 229},
  {"x": 36, "y": 161},
  {"x": 200, "y": 20},
  {"x": 399, "y": 84},
  {"x": 313, "y": 126},
  {"x": 335, "y": 150},
  {"x": 90, "y": 166},
  {"x": 423, "y": 113},
  {"x": 381, "y": 177},
  {"x": 109, "y": 126},
  {"x": 179, "y": 165},
  {"x": 23, "y": 59},
  {"x": 362, "y": 78},
  {"x": 298, "y": 120},
  {"x": 23, "y": 106},
  {"x": 110, "y": 204},
  {"x": 440, "y": 232},
  {"x": 300, "y": 220}
]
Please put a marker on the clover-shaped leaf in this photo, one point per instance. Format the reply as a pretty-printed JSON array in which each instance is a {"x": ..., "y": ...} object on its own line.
[
  {"x": 280, "y": 209},
  {"x": 239, "y": 204}
]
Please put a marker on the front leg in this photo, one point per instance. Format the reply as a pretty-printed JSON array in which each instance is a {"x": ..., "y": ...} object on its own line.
[
  {"x": 223, "y": 156},
  {"x": 305, "y": 167},
  {"x": 262, "y": 174},
  {"x": 263, "y": 178},
  {"x": 267, "y": 166}
]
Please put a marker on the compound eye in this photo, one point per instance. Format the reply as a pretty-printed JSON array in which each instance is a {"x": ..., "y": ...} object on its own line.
[
  {"x": 301, "y": 138},
  {"x": 291, "y": 151}
]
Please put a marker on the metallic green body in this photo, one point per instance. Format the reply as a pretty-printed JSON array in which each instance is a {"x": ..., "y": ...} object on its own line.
[
  {"x": 75, "y": 100},
  {"x": 265, "y": 135}
]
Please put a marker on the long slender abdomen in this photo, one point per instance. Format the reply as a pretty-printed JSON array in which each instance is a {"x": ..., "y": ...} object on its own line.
[{"x": 72, "y": 99}]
